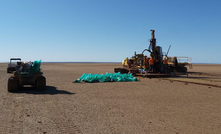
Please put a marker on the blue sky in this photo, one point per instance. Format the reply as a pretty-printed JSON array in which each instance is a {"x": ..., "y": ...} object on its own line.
[{"x": 108, "y": 30}]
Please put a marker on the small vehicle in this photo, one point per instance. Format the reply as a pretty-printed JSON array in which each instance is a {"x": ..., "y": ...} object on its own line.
[
  {"x": 27, "y": 74},
  {"x": 13, "y": 65}
]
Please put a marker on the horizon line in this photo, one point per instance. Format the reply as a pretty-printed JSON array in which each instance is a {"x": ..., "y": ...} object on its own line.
[{"x": 99, "y": 62}]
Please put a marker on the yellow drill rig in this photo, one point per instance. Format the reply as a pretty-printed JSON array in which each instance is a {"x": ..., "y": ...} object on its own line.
[{"x": 162, "y": 64}]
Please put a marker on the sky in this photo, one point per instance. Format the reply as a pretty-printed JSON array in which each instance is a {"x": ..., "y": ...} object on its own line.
[{"x": 108, "y": 30}]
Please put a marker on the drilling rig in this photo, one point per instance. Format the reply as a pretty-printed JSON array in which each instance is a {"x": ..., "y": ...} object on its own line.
[{"x": 139, "y": 63}]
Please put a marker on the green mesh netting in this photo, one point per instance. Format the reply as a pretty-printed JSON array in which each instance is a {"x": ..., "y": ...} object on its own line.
[
  {"x": 108, "y": 77},
  {"x": 36, "y": 66}
]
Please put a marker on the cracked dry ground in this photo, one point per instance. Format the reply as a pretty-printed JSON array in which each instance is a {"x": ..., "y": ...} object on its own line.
[{"x": 148, "y": 106}]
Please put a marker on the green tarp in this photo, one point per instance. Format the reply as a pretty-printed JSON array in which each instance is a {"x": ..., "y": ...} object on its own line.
[
  {"x": 108, "y": 77},
  {"x": 36, "y": 66}
]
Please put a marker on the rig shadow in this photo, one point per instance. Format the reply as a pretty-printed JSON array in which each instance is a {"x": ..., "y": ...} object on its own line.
[{"x": 48, "y": 90}]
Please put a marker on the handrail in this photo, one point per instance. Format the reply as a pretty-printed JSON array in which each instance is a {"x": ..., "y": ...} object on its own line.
[{"x": 182, "y": 59}]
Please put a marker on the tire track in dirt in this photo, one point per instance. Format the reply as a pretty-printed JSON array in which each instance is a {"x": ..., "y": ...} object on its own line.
[
  {"x": 50, "y": 115},
  {"x": 10, "y": 109},
  {"x": 12, "y": 116},
  {"x": 199, "y": 83},
  {"x": 3, "y": 102},
  {"x": 63, "y": 122},
  {"x": 3, "y": 94},
  {"x": 199, "y": 78},
  {"x": 37, "y": 117}
]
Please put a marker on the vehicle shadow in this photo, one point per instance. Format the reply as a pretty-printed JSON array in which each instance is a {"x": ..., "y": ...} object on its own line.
[{"x": 49, "y": 90}]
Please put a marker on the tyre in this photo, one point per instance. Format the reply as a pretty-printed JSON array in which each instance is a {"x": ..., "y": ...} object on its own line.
[
  {"x": 185, "y": 69},
  {"x": 12, "y": 85},
  {"x": 182, "y": 69},
  {"x": 20, "y": 86},
  {"x": 40, "y": 84},
  {"x": 175, "y": 72},
  {"x": 121, "y": 70},
  {"x": 8, "y": 70}
]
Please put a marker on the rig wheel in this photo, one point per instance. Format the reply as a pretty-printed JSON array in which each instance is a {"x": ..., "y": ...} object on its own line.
[
  {"x": 8, "y": 70},
  {"x": 12, "y": 84},
  {"x": 40, "y": 84}
]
